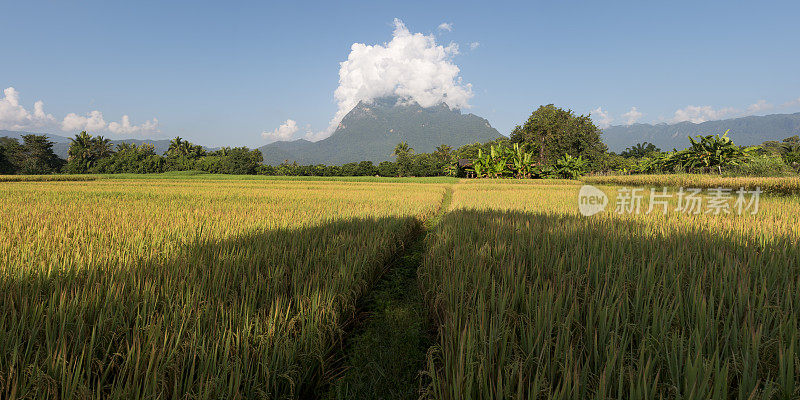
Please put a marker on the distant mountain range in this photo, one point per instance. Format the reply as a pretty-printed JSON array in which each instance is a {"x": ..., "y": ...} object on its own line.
[
  {"x": 745, "y": 131},
  {"x": 371, "y": 130}
]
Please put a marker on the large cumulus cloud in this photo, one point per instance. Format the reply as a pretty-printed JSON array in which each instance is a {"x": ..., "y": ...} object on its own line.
[{"x": 411, "y": 66}]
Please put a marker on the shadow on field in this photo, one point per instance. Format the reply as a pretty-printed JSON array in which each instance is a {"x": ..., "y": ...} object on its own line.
[
  {"x": 561, "y": 306},
  {"x": 529, "y": 305},
  {"x": 251, "y": 316}
]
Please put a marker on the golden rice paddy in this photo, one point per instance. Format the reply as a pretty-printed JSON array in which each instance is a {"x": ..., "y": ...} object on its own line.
[{"x": 242, "y": 288}]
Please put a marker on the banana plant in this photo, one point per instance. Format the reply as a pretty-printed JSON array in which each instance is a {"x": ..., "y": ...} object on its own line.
[
  {"x": 714, "y": 152},
  {"x": 451, "y": 169},
  {"x": 501, "y": 161},
  {"x": 522, "y": 161},
  {"x": 499, "y": 167},
  {"x": 479, "y": 165},
  {"x": 570, "y": 167}
]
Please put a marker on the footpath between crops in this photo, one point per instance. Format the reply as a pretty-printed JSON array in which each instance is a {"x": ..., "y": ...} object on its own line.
[{"x": 386, "y": 350}]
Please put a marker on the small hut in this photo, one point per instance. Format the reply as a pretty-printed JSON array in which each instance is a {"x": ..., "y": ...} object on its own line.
[{"x": 465, "y": 163}]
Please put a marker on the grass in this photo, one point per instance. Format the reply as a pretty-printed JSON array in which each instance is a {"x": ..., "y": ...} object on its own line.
[
  {"x": 536, "y": 301},
  {"x": 775, "y": 185},
  {"x": 201, "y": 289},
  {"x": 388, "y": 348}
]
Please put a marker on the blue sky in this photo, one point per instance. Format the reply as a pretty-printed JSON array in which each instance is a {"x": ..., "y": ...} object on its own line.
[{"x": 221, "y": 74}]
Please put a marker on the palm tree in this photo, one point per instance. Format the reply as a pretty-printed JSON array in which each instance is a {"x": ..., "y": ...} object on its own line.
[
  {"x": 125, "y": 147},
  {"x": 640, "y": 150},
  {"x": 146, "y": 149},
  {"x": 444, "y": 153},
  {"x": 101, "y": 147},
  {"x": 402, "y": 148},
  {"x": 80, "y": 147},
  {"x": 177, "y": 146},
  {"x": 791, "y": 144}
]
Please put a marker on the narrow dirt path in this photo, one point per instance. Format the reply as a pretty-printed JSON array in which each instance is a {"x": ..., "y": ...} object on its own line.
[{"x": 386, "y": 351}]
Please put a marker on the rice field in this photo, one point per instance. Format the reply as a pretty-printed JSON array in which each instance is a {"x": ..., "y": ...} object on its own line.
[
  {"x": 202, "y": 287},
  {"x": 45, "y": 178},
  {"x": 777, "y": 185},
  {"x": 534, "y": 300},
  {"x": 188, "y": 288}
]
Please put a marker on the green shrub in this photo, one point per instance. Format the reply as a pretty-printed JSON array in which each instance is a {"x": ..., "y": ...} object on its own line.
[
  {"x": 569, "y": 167},
  {"x": 761, "y": 165}
]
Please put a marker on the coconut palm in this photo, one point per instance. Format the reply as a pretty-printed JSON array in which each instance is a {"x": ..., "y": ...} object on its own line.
[
  {"x": 85, "y": 151},
  {"x": 80, "y": 148},
  {"x": 101, "y": 148},
  {"x": 125, "y": 147},
  {"x": 444, "y": 153},
  {"x": 402, "y": 149},
  {"x": 178, "y": 147}
]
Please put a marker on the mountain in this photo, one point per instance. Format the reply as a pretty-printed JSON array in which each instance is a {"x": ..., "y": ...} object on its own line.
[
  {"x": 371, "y": 130},
  {"x": 745, "y": 131},
  {"x": 61, "y": 143}
]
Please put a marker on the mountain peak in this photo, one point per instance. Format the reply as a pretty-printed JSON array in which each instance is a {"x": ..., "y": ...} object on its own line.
[
  {"x": 388, "y": 102},
  {"x": 372, "y": 129}
]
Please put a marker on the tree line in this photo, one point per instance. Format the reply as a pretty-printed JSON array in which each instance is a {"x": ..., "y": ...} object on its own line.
[
  {"x": 89, "y": 154},
  {"x": 550, "y": 133},
  {"x": 710, "y": 154},
  {"x": 407, "y": 163},
  {"x": 551, "y": 143},
  {"x": 34, "y": 156}
]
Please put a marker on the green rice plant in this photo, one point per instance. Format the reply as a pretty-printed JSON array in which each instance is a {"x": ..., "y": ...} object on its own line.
[
  {"x": 534, "y": 300},
  {"x": 164, "y": 288},
  {"x": 762, "y": 165}
]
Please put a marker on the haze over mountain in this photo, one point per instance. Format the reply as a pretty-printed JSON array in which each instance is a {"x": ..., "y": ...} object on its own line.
[
  {"x": 745, "y": 131},
  {"x": 371, "y": 130}
]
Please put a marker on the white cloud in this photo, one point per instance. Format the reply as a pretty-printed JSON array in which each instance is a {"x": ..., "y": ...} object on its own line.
[
  {"x": 474, "y": 45},
  {"x": 315, "y": 136},
  {"x": 444, "y": 26},
  {"x": 758, "y": 107},
  {"x": 124, "y": 127},
  {"x": 281, "y": 133},
  {"x": 632, "y": 116},
  {"x": 411, "y": 66},
  {"x": 601, "y": 118},
  {"x": 92, "y": 122},
  {"x": 698, "y": 114},
  {"x": 14, "y": 116},
  {"x": 791, "y": 103}
]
